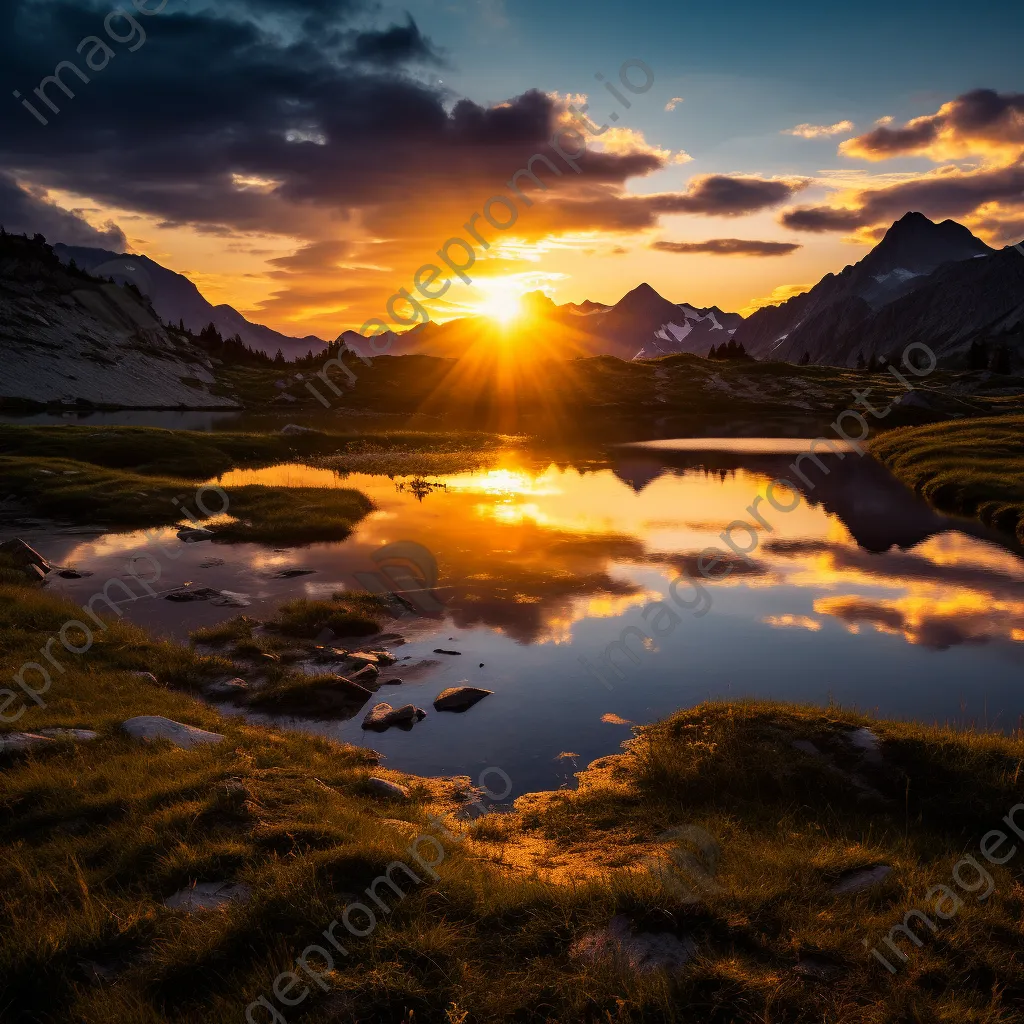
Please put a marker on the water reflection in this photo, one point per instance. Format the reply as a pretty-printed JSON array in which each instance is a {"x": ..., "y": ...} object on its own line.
[{"x": 861, "y": 594}]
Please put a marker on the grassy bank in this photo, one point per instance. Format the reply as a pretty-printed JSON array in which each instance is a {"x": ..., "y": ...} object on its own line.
[
  {"x": 970, "y": 468},
  {"x": 94, "y": 836},
  {"x": 129, "y": 477}
]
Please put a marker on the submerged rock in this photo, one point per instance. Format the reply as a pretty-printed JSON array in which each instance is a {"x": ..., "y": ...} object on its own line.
[
  {"x": 188, "y": 594},
  {"x": 290, "y": 574},
  {"x": 208, "y": 896},
  {"x": 459, "y": 698},
  {"x": 148, "y": 728}
]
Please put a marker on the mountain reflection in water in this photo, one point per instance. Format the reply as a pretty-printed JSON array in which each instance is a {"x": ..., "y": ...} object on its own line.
[{"x": 862, "y": 594}]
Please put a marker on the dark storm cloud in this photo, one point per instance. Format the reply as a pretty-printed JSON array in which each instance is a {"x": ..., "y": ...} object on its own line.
[
  {"x": 25, "y": 212},
  {"x": 729, "y": 247},
  {"x": 399, "y": 44}
]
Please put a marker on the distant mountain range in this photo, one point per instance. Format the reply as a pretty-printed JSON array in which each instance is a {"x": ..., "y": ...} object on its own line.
[
  {"x": 927, "y": 282},
  {"x": 175, "y": 299}
]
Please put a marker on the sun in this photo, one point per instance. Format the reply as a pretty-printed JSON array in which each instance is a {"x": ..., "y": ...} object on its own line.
[{"x": 501, "y": 303}]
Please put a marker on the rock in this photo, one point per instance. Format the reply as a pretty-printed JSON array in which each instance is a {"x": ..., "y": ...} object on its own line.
[
  {"x": 366, "y": 676},
  {"x": 861, "y": 879},
  {"x": 78, "y": 735},
  {"x": 208, "y": 896},
  {"x": 188, "y": 594},
  {"x": 441, "y": 650},
  {"x": 268, "y": 656},
  {"x": 194, "y": 534},
  {"x": 381, "y": 787},
  {"x": 72, "y": 574},
  {"x": 378, "y": 717},
  {"x": 383, "y": 657},
  {"x": 23, "y": 554},
  {"x": 641, "y": 951},
  {"x": 324, "y": 653},
  {"x": 34, "y": 573},
  {"x": 361, "y": 658},
  {"x": 230, "y": 599},
  {"x": 211, "y": 563},
  {"x": 148, "y": 728},
  {"x": 459, "y": 698},
  {"x": 147, "y": 676},
  {"x": 13, "y": 741},
  {"x": 867, "y": 743},
  {"x": 225, "y": 689},
  {"x": 291, "y": 429},
  {"x": 383, "y": 716},
  {"x": 408, "y": 713},
  {"x": 392, "y": 682},
  {"x": 289, "y": 574}
]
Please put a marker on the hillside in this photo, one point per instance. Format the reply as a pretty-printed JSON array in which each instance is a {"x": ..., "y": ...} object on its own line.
[
  {"x": 67, "y": 337},
  {"x": 176, "y": 299}
]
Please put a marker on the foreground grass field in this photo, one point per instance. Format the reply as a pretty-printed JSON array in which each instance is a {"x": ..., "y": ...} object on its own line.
[
  {"x": 94, "y": 836},
  {"x": 966, "y": 467}
]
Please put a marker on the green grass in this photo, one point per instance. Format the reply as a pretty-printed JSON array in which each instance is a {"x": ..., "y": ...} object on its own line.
[
  {"x": 971, "y": 468},
  {"x": 348, "y": 614},
  {"x": 95, "y": 494},
  {"x": 94, "y": 836}
]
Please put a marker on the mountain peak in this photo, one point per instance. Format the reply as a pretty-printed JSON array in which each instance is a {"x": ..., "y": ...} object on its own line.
[{"x": 918, "y": 244}]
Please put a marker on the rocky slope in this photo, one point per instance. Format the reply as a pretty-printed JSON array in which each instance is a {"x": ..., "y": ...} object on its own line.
[
  {"x": 67, "y": 337},
  {"x": 176, "y": 299},
  {"x": 847, "y": 314}
]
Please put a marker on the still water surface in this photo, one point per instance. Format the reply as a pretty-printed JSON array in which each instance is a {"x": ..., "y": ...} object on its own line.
[{"x": 861, "y": 595}]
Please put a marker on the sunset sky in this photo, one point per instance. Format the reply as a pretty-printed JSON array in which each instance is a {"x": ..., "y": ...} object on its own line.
[{"x": 300, "y": 159}]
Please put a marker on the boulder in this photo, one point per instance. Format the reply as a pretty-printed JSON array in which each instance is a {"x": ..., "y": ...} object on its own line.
[
  {"x": 381, "y": 787},
  {"x": 208, "y": 896},
  {"x": 459, "y": 698},
  {"x": 383, "y": 657},
  {"x": 24, "y": 554},
  {"x": 148, "y": 728},
  {"x": 361, "y": 658},
  {"x": 383, "y": 716}
]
